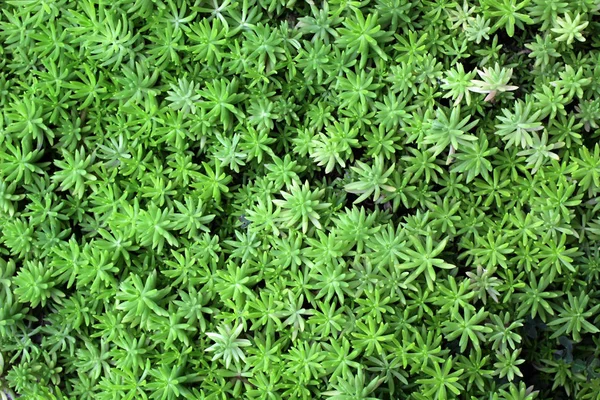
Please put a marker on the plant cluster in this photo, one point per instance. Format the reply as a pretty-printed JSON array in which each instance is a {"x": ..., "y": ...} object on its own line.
[{"x": 277, "y": 199}]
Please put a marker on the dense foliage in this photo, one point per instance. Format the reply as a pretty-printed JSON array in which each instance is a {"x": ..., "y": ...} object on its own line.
[{"x": 278, "y": 199}]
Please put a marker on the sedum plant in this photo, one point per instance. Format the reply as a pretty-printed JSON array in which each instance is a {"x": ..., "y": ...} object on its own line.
[{"x": 280, "y": 199}]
